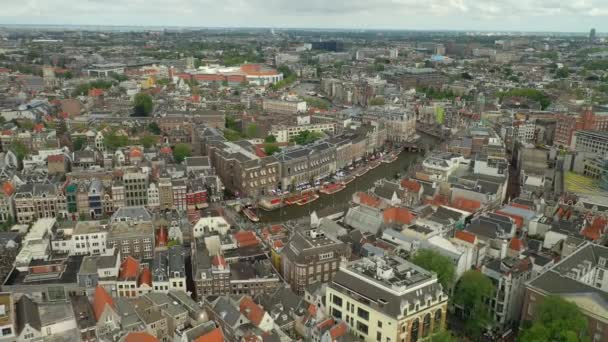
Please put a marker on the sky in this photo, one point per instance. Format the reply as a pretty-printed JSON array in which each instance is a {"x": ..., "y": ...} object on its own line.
[{"x": 470, "y": 15}]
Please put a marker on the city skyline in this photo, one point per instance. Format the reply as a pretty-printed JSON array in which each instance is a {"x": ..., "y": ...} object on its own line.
[{"x": 450, "y": 15}]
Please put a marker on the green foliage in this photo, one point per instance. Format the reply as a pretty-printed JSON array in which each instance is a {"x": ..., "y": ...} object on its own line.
[
  {"x": 471, "y": 293},
  {"x": 270, "y": 139},
  {"x": 83, "y": 89},
  {"x": 316, "y": 103},
  {"x": 436, "y": 94},
  {"x": 562, "y": 73},
  {"x": 307, "y": 137},
  {"x": 443, "y": 336},
  {"x": 26, "y": 124},
  {"x": 172, "y": 243},
  {"x": 232, "y": 135},
  {"x": 20, "y": 149},
  {"x": 79, "y": 143},
  {"x": 154, "y": 128},
  {"x": 66, "y": 75},
  {"x": 252, "y": 130},
  {"x": 601, "y": 64},
  {"x": 433, "y": 261},
  {"x": 231, "y": 123},
  {"x": 119, "y": 77},
  {"x": 142, "y": 104},
  {"x": 271, "y": 149},
  {"x": 556, "y": 319},
  {"x": 114, "y": 141},
  {"x": 376, "y": 101},
  {"x": 163, "y": 82},
  {"x": 237, "y": 57},
  {"x": 148, "y": 140},
  {"x": 181, "y": 151},
  {"x": 552, "y": 55},
  {"x": 532, "y": 94}
]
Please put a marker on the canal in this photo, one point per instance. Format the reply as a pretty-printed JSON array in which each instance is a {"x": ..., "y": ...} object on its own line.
[{"x": 341, "y": 199}]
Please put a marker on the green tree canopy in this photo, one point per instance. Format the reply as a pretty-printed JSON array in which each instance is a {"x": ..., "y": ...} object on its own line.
[
  {"x": 270, "y": 139},
  {"x": 376, "y": 101},
  {"x": 433, "y": 261},
  {"x": 252, "y": 130},
  {"x": 471, "y": 293},
  {"x": 532, "y": 94},
  {"x": 148, "y": 140},
  {"x": 142, "y": 104},
  {"x": 556, "y": 319},
  {"x": 181, "y": 151},
  {"x": 114, "y": 141},
  {"x": 79, "y": 143},
  {"x": 307, "y": 137},
  {"x": 20, "y": 149},
  {"x": 443, "y": 336},
  {"x": 154, "y": 128},
  {"x": 271, "y": 149}
]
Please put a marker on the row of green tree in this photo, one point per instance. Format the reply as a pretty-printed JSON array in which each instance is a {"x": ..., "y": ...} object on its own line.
[
  {"x": 529, "y": 93},
  {"x": 555, "y": 319}
]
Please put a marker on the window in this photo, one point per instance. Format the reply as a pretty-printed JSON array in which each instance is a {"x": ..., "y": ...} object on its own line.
[
  {"x": 7, "y": 331},
  {"x": 379, "y": 324},
  {"x": 336, "y": 313},
  {"x": 362, "y": 327},
  {"x": 378, "y": 336},
  {"x": 337, "y": 300},
  {"x": 363, "y": 314}
]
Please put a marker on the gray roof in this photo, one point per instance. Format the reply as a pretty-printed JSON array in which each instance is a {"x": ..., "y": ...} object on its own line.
[
  {"x": 27, "y": 313},
  {"x": 227, "y": 310},
  {"x": 364, "y": 218},
  {"x": 132, "y": 213}
]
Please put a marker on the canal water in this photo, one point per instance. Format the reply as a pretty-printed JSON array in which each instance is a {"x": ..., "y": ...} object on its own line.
[{"x": 341, "y": 199}]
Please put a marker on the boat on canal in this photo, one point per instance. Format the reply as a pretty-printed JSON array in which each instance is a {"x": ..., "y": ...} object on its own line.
[
  {"x": 311, "y": 197},
  {"x": 330, "y": 189},
  {"x": 251, "y": 215}
]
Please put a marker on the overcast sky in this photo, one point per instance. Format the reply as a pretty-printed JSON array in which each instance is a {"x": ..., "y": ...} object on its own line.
[{"x": 492, "y": 15}]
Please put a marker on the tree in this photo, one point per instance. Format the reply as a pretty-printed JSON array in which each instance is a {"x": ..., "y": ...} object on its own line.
[
  {"x": 376, "y": 101},
  {"x": 114, "y": 141},
  {"x": 443, "y": 336},
  {"x": 79, "y": 143},
  {"x": 471, "y": 293},
  {"x": 20, "y": 149},
  {"x": 562, "y": 73},
  {"x": 271, "y": 149},
  {"x": 556, "y": 319},
  {"x": 142, "y": 104},
  {"x": 181, "y": 151},
  {"x": 307, "y": 137},
  {"x": 154, "y": 128},
  {"x": 433, "y": 261},
  {"x": 252, "y": 130},
  {"x": 148, "y": 140},
  {"x": 532, "y": 94},
  {"x": 270, "y": 139}
]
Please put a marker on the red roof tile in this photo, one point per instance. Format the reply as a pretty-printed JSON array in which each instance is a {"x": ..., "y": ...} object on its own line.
[
  {"x": 369, "y": 200},
  {"x": 161, "y": 237},
  {"x": 218, "y": 260},
  {"x": 465, "y": 236},
  {"x": 8, "y": 188},
  {"x": 166, "y": 150},
  {"x": 251, "y": 310},
  {"x": 466, "y": 204},
  {"x": 100, "y": 299},
  {"x": 214, "y": 335},
  {"x": 95, "y": 92},
  {"x": 246, "y": 238},
  {"x": 516, "y": 244},
  {"x": 398, "y": 215},
  {"x": 135, "y": 153},
  {"x": 338, "y": 330},
  {"x": 519, "y": 221},
  {"x": 145, "y": 277},
  {"x": 55, "y": 158},
  {"x": 129, "y": 269},
  {"x": 140, "y": 337},
  {"x": 411, "y": 185}
]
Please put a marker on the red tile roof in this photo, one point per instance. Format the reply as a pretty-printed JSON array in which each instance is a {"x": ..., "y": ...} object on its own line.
[
  {"x": 516, "y": 244},
  {"x": 38, "y": 128},
  {"x": 326, "y": 323},
  {"x": 398, "y": 215},
  {"x": 145, "y": 277},
  {"x": 100, "y": 299},
  {"x": 166, "y": 150},
  {"x": 312, "y": 310},
  {"x": 161, "y": 237},
  {"x": 246, "y": 238},
  {"x": 466, "y": 204},
  {"x": 338, "y": 330},
  {"x": 251, "y": 310},
  {"x": 519, "y": 221},
  {"x": 214, "y": 335},
  {"x": 8, "y": 188},
  {"x": 129, "y": 269},
  {"x": 257, "y": 70},
  {"x": 596, "y": 229},
  {"x": 465, "y": 236},
  {"x": 218, "y": 260},
  {"x": 95, "y": 92},
  {"x": 411, "y": 185},
  {"x": 135, "y": 153},
  {"x": 140, "y": 337},
  {"x": 519, "y": 205},
  {"x": 369, "y": 200},
  {"x": 55, "y": 158}
]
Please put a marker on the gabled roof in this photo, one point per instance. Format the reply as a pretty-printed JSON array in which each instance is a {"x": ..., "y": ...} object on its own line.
[
  {"x": 140, "y": 337},
  {"x": 145, "y": 277},
  {"x": 411, "y": 185},
  {"x": 338, "y": 330},
  {"x": 214, "y": 335},
  {"x": 251, "y": 310},
  {"x": 129, "y": 269},
  {"x": 465, "y": 236},
  {"x": 398, "y": 215},
  {"x": 27, "y": 313},
  {"x": 516, "y": 244},
  {"x": 100, "y": 299},
  {"x": 369, "y": 200}
]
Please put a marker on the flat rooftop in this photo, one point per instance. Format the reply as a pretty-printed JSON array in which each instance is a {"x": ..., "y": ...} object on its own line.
[{"x": 394, "y": 273}]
